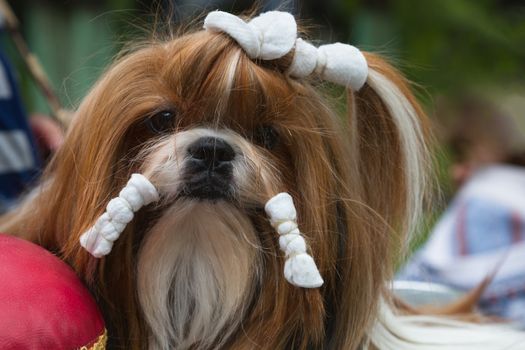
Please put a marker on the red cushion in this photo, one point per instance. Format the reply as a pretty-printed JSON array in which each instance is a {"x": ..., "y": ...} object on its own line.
[{"x": 43, "y": 304}]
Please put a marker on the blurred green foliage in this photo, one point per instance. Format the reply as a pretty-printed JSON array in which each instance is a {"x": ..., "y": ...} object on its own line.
[
  {"x": 449, "y": 45},
  {"x": 447, "y": 48},
  {"x": 443, "y": 45}
]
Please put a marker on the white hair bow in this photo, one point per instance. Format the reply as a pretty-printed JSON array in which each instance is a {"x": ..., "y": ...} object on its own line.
[
  {"x": 268, "y": 36},
  {"x": 299, "y": 267},
  {"x": 138, "y": 192},
  {"x": 338, "y": 63},
  {"x": 273, "y": 34}
]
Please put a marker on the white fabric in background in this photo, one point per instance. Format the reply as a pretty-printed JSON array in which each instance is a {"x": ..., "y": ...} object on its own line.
[{"x": 502, "y": 185}]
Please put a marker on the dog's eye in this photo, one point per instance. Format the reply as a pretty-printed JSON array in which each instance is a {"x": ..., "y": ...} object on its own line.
[
  {"x": 161, "y": 122},
  {"x": 266, "y": 136}
]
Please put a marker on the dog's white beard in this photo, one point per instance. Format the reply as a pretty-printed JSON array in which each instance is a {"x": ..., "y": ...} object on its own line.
[{"x": 196, "y": 274}]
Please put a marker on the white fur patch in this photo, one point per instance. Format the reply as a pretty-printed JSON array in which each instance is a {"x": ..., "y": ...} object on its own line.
[{"x": 196, "y": 273}]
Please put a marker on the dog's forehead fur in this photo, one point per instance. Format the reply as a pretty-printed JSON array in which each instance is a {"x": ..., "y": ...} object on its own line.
[{"x": 209, "y": 81}]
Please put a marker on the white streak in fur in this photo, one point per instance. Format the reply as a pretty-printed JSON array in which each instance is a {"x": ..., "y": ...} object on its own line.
[
  {"x": 412, "y": 139},
  {"x": 196, "y": 273},
  {"x": 394, "y": 332}
]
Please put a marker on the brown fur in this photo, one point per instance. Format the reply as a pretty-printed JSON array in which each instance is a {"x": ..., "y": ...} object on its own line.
[{"x": 348, "y": 178}]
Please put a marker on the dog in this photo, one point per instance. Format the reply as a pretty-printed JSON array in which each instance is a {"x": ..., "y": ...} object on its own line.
[{"x": 219, "y": 122}]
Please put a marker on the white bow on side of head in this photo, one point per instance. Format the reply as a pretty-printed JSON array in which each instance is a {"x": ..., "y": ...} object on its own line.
[
  {"x": 299, "y": 266},
  {"x": 273, "y": 34},
  {"x": 138, "y": 192}
]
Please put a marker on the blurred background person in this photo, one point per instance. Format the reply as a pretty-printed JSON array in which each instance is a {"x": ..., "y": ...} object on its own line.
[
  {"x": 24, "y": 143},
  {"x": 482, "y": 232},
  {"x": 19, "y": 159}
]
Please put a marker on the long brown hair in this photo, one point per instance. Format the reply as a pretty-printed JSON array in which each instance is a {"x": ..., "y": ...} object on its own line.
[{"x": 357, "y": 182}]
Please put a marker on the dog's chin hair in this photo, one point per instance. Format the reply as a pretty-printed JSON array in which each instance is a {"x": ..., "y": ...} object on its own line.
[{"x": 197, "y": 270}]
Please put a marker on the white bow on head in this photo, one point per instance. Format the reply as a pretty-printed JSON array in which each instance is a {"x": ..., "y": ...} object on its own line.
[
  {"x": 273, "y": 34},
  {"x": 268, "y": 36},
  {"x": 338, "y": 63}
]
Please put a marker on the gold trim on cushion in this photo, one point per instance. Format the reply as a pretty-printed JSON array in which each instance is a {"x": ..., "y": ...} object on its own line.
[{"x": 100, "y": 344}]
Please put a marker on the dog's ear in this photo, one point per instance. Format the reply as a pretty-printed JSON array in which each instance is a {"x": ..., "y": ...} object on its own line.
[
  {"x": 94, "y": 162},
  {"x": 390, "y": 135},
  {"x": 386, "y": 165}
]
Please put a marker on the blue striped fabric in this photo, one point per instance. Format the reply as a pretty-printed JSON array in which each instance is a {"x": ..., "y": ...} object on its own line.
[
  {"x": 19, "y": 161},
  {"x": 488, "y": 226}
]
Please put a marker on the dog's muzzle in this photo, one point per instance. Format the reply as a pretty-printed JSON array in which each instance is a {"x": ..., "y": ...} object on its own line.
[{"x": 209, "y": 169}]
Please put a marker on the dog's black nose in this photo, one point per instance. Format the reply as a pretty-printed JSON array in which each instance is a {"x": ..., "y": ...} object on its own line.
[
  {"x": 209, "y": 170},
  {"x": 211, "y": 152}
]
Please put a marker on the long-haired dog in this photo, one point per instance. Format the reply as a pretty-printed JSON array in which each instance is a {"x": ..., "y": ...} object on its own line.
[{"x": 218, "y": 129}]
